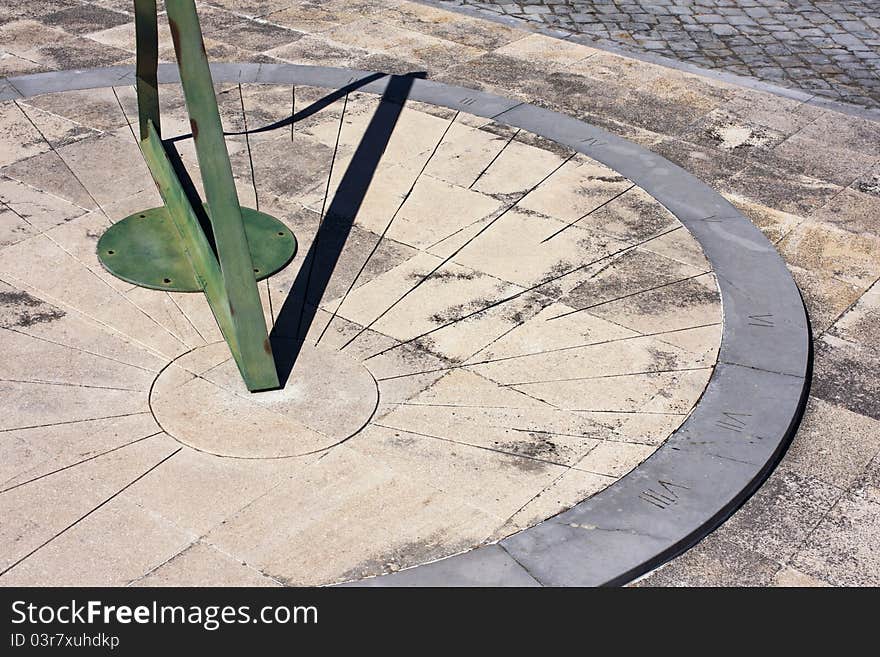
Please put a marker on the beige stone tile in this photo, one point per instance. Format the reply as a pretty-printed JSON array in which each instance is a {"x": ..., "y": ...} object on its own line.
[
  {"x": 20, "y": 139},
  {"x": 442, "y": 297},
  {"x": 592, "y": 359},
  {"x": 783, "y": 114},
  {"x": 527, "y": 249},
  {"x": 774, "y": 224},
  {"x": 825, "y": 295},
  {"x": 861, "y": 323},
  {"x": 166, "y": 312},
  {"x": 27, "y": 359},
  {"x": 40, "y": 266},
  {"x": 31, "y": 404},
  {"x": 324, "y": 16},
  {"x": 643, "y": 428},
  {"x": 530, "y": 340},
  {"x": 109, "y": 167},
  {"x": 436, "y": 210},
  {"x": 614, "y": 459},
  {"x": 94, "y": 108},
  {"x": 519, "y": 168},
  {"x": 635, "y": 217},
  {"x": 384, "y": 517},
  {"x": 413, "y": 46},
  {"x": 690, "y": 303},
  {"x": 853, "y": 211},
  {"x": 203, "y": 565},
  {"x": 448, "y": 25},
  {"x": 820, "y": 248},
  {"x": 715, "y": 562},
  {"x": 123, "y": 37},
  {"x": 782, "y": 514},
  {"x": 465, "y": 152},
  {"x": 833, "y": 444},
  {"x": 36, "y": 512},
  {"x": 624, "y": 393},
  {"x": 573, "y": 487},
  {"x": 78, "y": 239},
  {"x": 13, "y": 229},
  {"x": 464, "y": 408},
  {"x": 789, "y": 576},
  {"x": 11, "y": 65},
  {"x": 50, "y": 325},
  {"x": 315, "y": 50},
  {"x": 196, "y": 491},
  {"x": 578, "y": 188},
  {"x": 37, "y": 209},
  {"x": 839, "y": 130},
  {"x": 679, "y": 392},
  {"x": 95, "y": 553},
  {"x": 842, "y": 549},
  {"x": 547, "y": 50},
  {"x": 51, "y": 448}
]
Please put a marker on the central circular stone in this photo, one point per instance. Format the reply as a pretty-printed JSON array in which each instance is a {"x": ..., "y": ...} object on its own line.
[{"x": 201, "y": 401}]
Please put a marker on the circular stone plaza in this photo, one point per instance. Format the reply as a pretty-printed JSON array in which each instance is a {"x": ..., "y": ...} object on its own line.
[{"x": 500, "y": 299}]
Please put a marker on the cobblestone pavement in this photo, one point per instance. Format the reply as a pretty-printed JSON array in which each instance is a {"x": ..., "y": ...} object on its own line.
[{"x": 828, "y": 48}]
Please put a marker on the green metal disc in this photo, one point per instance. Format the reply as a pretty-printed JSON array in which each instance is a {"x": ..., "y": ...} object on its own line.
[{"x": 147, "y": 250}]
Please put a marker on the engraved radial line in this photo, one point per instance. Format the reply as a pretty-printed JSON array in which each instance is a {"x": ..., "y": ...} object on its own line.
[
  {"x": 549, "y": 351},
  {"x": 90, "y": 512},
  {"x": 627, "y": 296},
  {"x": 455, "y": 253},
  {"x": 63, "y": 161},
  {"x": 608, "y": 376},
  {"x": 85, "y": 419},
  {"x": 76, "y": 463},
  {"x": 67, "y": 384},
  {"x": 516, "y": 295},
  {"x": 483, "y": 447},
  {"x": 584, "y": 216},
  {"x": 492, "y": 161},
  {"x": 292, "y": 108},
  {"x": 137, "y": 142},
  {"x": 387, "y": 228},
  {"x": 79, "y": 349},
  {"x": 247, "y": 141},
  {"x": 45, "y": 235},
  {"x": 317, "y": 243},
  {"x": 124, "y": 115}
]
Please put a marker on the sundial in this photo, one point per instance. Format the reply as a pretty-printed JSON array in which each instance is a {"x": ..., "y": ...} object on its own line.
[{"x": 377, "y": 325}]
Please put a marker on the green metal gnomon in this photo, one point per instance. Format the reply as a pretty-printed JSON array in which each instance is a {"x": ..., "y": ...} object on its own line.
[{"x": 218, "y": 247}]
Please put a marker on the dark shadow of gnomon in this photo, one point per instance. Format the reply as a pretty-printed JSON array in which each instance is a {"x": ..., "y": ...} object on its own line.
[{"x": 300, "y": 307}]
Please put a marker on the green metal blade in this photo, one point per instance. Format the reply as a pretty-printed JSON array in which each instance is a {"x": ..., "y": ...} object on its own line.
[
  {"x": 256, "y": 362},
  {"x": 147, "y": 39}
]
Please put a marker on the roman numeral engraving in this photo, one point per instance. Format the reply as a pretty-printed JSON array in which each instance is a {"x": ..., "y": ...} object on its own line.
[
  {"x": 732, "y": 422},
  {"x": 714, "y": 219},
  {"x": 468, "y": 101},
  {"x": 592, "y": 141},
  {"x": 765, "y": 321},
  {"x": 663, "y": 495}
]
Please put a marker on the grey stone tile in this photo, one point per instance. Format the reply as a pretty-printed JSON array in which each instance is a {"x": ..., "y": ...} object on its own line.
[
  {"x": 714, "y": 562},
  {"x": 780, "y": 516},
  {"x": 843, "y": 548},
  {"x": 846, "y": 375},
  {"x": 833, "y": 444}
]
